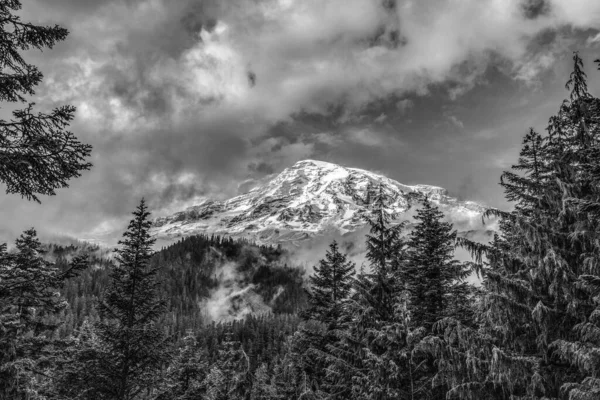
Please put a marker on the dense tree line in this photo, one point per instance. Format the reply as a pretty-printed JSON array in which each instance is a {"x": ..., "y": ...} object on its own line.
[{"x": 188, "y": 272}]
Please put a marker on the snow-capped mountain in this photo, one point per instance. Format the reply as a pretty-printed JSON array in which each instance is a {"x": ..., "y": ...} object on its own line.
[{"x": 309, "y": 199}]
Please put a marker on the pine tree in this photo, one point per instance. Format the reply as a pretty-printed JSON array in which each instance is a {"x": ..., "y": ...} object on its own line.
[
  {"x": 29, "y": 307},
  {"x": 229, "y": 377},
  {"x": 261, "y": 386},
  {"x": 37, "y": 154},
  {"x": 187, "y": 372},
  {"x": 79, "y": 372},
  {"x": 289, "y": 381},
  {"x": 582, "y": 350},
  {"x": 434, "y": 279},
  {"x": 364, "y": 363},
  {"x": 330, "y": 286},
  {"x": 385, "y": 252},
  {"x": 125, "y": 361},
  {"x": 436, "y": 289},
  {"x": 535, "y": 306}
]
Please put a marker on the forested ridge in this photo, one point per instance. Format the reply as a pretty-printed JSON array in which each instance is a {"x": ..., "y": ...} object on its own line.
[
  {"x": 77, "y": 323},
  {"x": 189, "y": 272}
]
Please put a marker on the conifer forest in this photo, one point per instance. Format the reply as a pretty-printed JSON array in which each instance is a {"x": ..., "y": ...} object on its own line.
[{"x": 520, "y": 320}]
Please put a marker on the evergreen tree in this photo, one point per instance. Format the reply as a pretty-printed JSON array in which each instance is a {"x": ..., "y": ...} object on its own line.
[
  {"x": 289, "y": 380},
  {"x": 436, "y": 289},
  {"x": 229, "y": 377},
  {"x": 432, "y": 276},
  {"x": 582, "y": 350},
  {"x": 535, "y": 310},
  {"x": 261, "y": 385},
  {"x": 29, "y": 306},
  {"x": 329, "y": 286},
  {"x": 125, "y": 361},
  {"x": 364, "y": 363},
  {"x": 186, "y": 372},
  {"x": 37, "y": 154},
  {"x": 385, "y": 252}
]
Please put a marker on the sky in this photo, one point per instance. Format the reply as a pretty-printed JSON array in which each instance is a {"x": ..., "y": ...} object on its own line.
[{"x": 185, "y": 99}]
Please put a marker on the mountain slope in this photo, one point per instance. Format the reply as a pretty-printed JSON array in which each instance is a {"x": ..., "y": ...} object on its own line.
[{"x": 309, "y": 199}]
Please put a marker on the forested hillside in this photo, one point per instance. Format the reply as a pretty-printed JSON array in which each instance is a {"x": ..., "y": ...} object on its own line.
[{"x": 189, "y": 272}]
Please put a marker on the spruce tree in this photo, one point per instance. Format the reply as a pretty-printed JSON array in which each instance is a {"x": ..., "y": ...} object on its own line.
[
  {"x": 37, "y": 153},
  {"x": 367, "y": 361},
  {"x": 125, "y": 361},
  {"x": 261, "y": 386},
  {"x": 187, "y": 372},
  {"x": 329, "y": 286},
  {"x": 30, "y": 304},
  {"x": 434, "y": 279},
  {"x": 582, "y": 350},
  {"x": 385, "y": 252},
  {"x": 436, "y": 289},
  {"x": 536, "y": 308},
  {"x": 229, "y": 377}
]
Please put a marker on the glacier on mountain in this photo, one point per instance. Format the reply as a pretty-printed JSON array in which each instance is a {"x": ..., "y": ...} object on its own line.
[{"x": 307, "y": 200}]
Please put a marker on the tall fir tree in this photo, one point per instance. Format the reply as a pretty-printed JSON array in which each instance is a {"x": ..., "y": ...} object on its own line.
[
  {"x": 535, "y": 303},
  {"x": 329, "y": 286},
  {"x": 385, "y": 252},
  {"x": 582, "y": 350},
  {"x": 436, "y": 289},
  {"x": 367, "y": 361},
  {"x": 126, "y": 360},
  {"x": 434, "y": 279}
]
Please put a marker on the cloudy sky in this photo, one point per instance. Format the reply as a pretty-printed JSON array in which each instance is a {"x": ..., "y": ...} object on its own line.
[{"x": 189, "y": 98}]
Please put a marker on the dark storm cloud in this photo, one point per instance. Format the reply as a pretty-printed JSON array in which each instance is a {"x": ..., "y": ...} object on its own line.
[
  {"x": 184, "y": 99},
  {"x": 533, "y": 9}
]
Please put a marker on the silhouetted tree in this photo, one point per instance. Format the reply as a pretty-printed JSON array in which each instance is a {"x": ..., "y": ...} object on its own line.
[{"x": 37, "y": 154}]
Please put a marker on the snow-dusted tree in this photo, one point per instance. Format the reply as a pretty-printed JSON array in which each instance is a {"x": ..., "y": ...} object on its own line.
[
  {"x": 29, "y": 305},
  {"x": 261, "y": 385},
  {"x": 229, "y": 378},
  {"x": 289, "y": 381},
  {"x": 187, "y": 372}
]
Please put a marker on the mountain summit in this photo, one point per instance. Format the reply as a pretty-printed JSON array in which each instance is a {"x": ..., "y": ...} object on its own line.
[{"x": 306, "y": 200}]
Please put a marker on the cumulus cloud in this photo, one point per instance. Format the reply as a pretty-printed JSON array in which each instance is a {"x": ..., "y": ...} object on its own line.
[
  {"x": 180, "y": 98},
  {"x": 305, "y": 55}
]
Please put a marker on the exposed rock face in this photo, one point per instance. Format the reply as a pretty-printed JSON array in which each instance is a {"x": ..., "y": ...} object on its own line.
[{"x": 306, "y": 200}]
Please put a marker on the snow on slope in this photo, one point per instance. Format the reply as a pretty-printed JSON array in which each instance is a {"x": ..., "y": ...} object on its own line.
[{"x": 307, "y": 200}]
